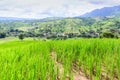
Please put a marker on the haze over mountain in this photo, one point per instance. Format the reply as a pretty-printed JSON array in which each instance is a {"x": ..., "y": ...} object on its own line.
[
  {"x": 51, "y": 8},
  {"x": 13, "y": 19},
  {"x": 106, "y": 11},
  {"x": 102, "y": 12}
]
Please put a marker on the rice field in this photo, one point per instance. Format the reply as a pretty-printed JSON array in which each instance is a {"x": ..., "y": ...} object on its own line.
[{"x": 81, "y": 59}]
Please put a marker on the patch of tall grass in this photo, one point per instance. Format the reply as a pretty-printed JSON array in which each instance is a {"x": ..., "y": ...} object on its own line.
[{"x": 97, "y": 59}]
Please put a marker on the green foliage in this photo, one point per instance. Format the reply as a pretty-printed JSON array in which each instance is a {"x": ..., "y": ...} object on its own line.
[
  {"x": 61, "y": 59},
  {"x": 21, "y": 36},
  {"x": 2, "y": 35},
  {"x": 108, "y": 35},
  {"x": 72, "y": 27}
]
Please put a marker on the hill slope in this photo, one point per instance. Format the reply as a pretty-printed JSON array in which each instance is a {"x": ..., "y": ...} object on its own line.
[{"x": 106, "y": 11}]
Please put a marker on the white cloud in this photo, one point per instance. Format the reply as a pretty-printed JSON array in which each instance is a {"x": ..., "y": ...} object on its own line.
[{"x": 51, "y": 8}]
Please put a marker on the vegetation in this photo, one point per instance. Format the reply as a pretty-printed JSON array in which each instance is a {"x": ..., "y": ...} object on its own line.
[
  {"x": 86, "y": 47},
  {"x": 21, "y": 36},
  {"x": 57, "y": 57},
  {"x": 2, "y": 35},
  {"x": 95, "y": 59},
  {"x": 108, "y": 35},
  {"x": 63, "y": 27}
]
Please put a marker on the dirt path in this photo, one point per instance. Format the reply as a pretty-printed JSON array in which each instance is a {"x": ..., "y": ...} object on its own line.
[
  {"x": 79, "y": 77},
  {"x": 76, "y": 75}
]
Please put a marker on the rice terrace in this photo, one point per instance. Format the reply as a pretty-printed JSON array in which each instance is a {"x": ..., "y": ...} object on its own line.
[
  {"x": 59, "y": 39},
  {"x": 81, "y": 59}
]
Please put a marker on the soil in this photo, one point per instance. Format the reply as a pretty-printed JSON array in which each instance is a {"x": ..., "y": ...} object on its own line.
[{"x": 76, "y": 76}]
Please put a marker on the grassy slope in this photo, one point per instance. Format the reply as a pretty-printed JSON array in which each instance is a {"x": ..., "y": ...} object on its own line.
[
  {"x": 66, "y": 24},
  {"x": 95, "y": 58}
]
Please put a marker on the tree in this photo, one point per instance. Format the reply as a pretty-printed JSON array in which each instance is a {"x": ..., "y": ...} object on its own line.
[
  {"x": 2, "y": 35},
  {"x": 21, "y": 36},
  {"x": 108, "y": 35}
]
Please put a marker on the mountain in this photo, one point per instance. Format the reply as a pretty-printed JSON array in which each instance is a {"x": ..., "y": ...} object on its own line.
[
  {"x": 103, "y": 12},
  {"x": 51, "y": 19},
  {"x": 13, "y": 19}
]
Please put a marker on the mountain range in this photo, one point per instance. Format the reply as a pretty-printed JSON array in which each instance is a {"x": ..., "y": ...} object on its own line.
[{"x": 103, "y": 12}]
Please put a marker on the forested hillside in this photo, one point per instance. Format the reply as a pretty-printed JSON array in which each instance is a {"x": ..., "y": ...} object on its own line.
[{"x": 63, "y": 27}]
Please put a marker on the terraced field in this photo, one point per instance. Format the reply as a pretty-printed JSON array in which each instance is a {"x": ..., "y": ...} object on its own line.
[{"x": 80, "y": 59}]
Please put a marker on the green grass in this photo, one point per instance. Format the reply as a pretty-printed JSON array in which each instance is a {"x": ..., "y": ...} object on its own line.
[{"x": 32, "y": 60}]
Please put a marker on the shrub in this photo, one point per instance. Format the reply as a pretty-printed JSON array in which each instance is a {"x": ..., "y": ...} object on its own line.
[
  {"x": 21, "y": 36},
  {"x": 108, "y": 35},
  {"x": 2, "y": 35}
]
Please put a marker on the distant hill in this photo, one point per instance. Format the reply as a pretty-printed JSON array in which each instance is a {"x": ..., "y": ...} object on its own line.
[
  {"x": 103, "y": 12},
  {"x": 76, "y": 27},
  {"x": 13, "y": 19}
]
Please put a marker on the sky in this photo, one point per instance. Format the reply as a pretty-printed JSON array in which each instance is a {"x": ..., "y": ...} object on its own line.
[{"x": 51, "y": 8}]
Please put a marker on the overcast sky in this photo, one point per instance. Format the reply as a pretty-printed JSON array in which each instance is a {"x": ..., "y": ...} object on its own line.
[{"x": 51, "y": 8}]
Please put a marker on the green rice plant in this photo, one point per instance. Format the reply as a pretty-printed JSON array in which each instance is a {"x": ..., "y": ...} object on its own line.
[{"x": 60, "y": 59}]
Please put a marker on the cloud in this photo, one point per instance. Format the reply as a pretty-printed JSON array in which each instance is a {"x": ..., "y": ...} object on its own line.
[
  {"x": 104, "y": 2},
  {"x": 96, "y": 2},
  {"x": 51, "y": 8}
]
